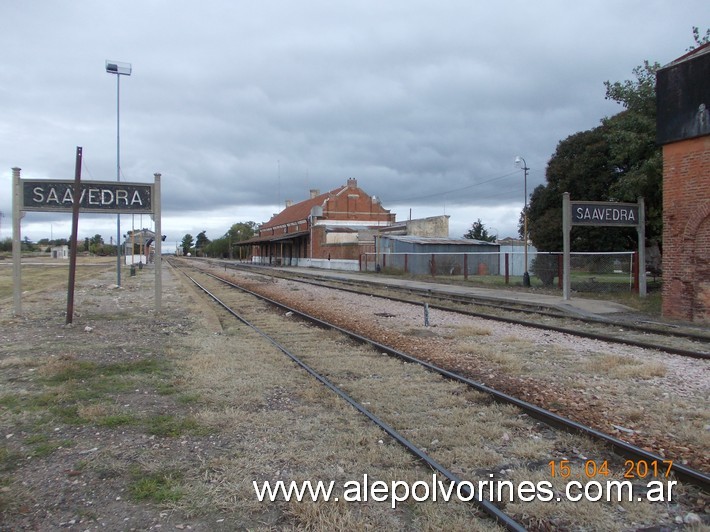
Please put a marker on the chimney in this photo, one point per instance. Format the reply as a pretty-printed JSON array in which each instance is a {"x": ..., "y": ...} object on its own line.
[
  {"x": 314, "y": 193},
  {"x": 352, "y": 183},
  {"x": 289, "y": 203}
]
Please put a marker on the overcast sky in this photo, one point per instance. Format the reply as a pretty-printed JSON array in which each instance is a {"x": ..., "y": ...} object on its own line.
[{"x": 243, "y": 105}]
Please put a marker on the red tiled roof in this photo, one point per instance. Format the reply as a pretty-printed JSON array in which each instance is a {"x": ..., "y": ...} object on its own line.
[{"x": 300, "y": 211}]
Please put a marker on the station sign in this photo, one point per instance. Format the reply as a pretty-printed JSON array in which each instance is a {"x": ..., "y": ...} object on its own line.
[
  {"x": 604, "y": 213},
  {"x": 95, "y": 196}
]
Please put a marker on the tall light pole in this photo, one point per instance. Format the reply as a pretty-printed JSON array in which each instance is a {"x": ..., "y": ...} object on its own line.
[
  {"x": 118, "y": 69},
  {"x": 518, "y": 161}
]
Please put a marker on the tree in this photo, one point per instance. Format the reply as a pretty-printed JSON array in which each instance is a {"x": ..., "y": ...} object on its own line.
[
  {"x": 202, "y": 242},
  {"x": 616, "y": 161},
  {"x": 187, "y": 243},
  {"x": 478, "y": 231},
  {"x": 699, "y": 41},
  {"x": 224, "y": 246}
]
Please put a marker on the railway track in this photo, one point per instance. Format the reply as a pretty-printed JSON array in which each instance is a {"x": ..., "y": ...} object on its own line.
[
  {"x": 658, "y": 336},
  {"x": 331, "y": 370}
]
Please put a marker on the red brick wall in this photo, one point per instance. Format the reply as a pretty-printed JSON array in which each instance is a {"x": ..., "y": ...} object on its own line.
[
  {"x": 354, "y": 204},
  {"x": 686, "y": 230}
]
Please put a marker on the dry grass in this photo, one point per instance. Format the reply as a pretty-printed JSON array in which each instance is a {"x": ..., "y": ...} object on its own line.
[
  {"x": 624, "y": 367},
  {"x": 472, "y": 331},
  {"x": 44, "y": 273},
  {"x": 292, "y": 428}
]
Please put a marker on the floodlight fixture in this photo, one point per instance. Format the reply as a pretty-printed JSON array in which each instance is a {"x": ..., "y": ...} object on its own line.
[
  {"x": 119, "y": 68},
  {"x": 518, "y": 162}
]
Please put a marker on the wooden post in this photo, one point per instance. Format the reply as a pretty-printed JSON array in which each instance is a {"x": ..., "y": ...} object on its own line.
[{"x": 76, "y": 205}]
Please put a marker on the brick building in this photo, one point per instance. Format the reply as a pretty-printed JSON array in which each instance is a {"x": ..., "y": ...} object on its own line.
[
  {"x": 337, "y": 226},
  {"x": 683, "y": 96}
]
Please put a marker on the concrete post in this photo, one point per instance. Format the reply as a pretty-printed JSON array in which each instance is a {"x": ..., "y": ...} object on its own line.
[
  {"x": 566, "y": 226},
  {"x": 16, "y": 243},
  {"x": 158, "y": 244}
]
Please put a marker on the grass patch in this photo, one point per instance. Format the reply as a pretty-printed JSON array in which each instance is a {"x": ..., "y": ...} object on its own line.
[
  {"x": 171, "y": 426},
  {"x": 68, "y": 414},
  {"x": 45, "y": 449},
  {"x": 116, "y": 420},
  {"x": 43, "y": 446},
  {"x": 189, "y": 398},
  {"x": 65, "y": 368},
  {"x": 472, "y": 330},
  {"x": 159, "y": 486},
  {"x": 624, "y": 367},
  {"x": 9, "y": 460},
  {"x": 10, "y": 402}
]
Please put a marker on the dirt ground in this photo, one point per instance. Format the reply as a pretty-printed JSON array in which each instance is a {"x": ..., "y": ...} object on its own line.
[
  {"x": 131, "y": 421},
  {"x": 128, "y": 420},
  {"x": 96, "y": 426}
]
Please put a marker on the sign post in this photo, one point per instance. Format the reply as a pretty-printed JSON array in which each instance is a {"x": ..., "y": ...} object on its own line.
[
  {"x": 48, "y": 195},
  {"x": 606, "y": 213},
  {"x": 74, "y": 237}
]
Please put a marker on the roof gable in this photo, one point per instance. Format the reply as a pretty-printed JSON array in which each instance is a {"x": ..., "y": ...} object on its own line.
[{"x": 300, "y": 211}]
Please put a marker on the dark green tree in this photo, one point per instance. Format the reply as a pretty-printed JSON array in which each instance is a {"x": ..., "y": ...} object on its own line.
[
  {"x": 224, "y": 246},
  {"x": 616, "y": 161},
  {"x": 187, "y": 243},
  {"x": 201, "y": 243},
  {"x": 478, "y": 231}
]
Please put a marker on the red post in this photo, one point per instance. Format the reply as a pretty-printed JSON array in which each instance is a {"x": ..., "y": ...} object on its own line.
[
  {"x": 76, "y": 201},
  {"x": 507, "y": 269}
]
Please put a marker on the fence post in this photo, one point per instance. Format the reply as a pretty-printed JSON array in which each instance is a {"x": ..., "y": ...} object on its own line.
[
  {"x": 433, "y": 265},
  {"x": 635, "y": 266},
  {"x": 465, "y": 267},
  {"x": 559, "y": 271},
  {"x": 507, "y": 269},
  {"x": 406, "y": 263}
]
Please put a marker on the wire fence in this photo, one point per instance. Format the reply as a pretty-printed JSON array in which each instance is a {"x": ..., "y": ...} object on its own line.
[{"x": 592, "y": 272}]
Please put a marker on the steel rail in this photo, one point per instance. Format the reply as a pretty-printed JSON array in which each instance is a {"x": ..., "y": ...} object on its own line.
[
  {"x": 514, "y": 321},
  {"x": 622, "y": 448},
  {"x": 488, "y": 507},
  {"x": 486, "y": 301}
]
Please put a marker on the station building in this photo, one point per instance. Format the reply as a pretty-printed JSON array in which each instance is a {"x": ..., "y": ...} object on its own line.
[
  {"x": 683, "y": 129},
  {"x": 327, "y": 230}
]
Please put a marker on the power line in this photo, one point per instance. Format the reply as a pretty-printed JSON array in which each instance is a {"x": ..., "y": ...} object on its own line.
[{"x": 467, "y": 187}]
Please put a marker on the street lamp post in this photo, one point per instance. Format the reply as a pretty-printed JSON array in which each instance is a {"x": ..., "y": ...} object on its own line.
[
  {"x": 518, "y": 161},
  {"x": 118, "y": 69}
]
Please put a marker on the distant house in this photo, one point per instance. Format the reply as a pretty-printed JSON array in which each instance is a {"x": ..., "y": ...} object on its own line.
[
  {"x": 139, "y": 246},
  {"x": 59, "y": 252}
]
